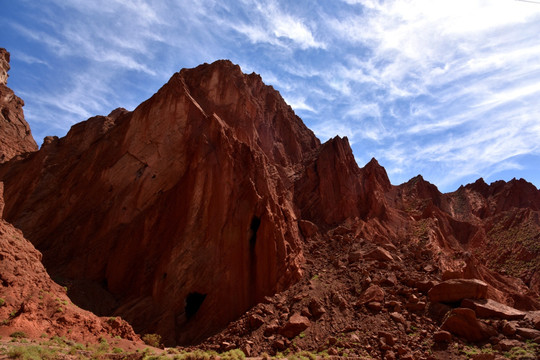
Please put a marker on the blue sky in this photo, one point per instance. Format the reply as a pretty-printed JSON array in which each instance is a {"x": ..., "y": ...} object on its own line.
[{"x": 449, "y": 89}]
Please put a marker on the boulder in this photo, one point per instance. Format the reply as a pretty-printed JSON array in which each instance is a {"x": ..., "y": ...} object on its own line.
[
  {"x": 296, "y": 324},
  {"x": 271, "y": 328},
  {"x": 374, "y": 306},
  {"x": 374, "y": 293},
  {"x": 534, "y": 318},
  {"x": 424, "y": 285},
  {"x": 416, "y": 307},
  {"x": 487, "y": 308},
  {"x": 463, "y": 322},
  {"x": 316, "y": 308},
  {"x": 255, "y": 321},
  {"x": 508, "y": 328},
  {"x": 458, "y": 289},
  {"x": 398, "y": 318},
  {"x": 529, "y": 334},
  {"x": 380, "y": 254},
  {"x": 442, "y": 337},
  {"x": 307, "y": 228},
  {"x": 507, "y": 344},
  {"x": 355, "y": 256},
  {"x": 389, "y": 339}
]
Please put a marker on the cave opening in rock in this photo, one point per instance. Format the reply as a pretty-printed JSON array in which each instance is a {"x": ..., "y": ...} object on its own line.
[
  {"x": 105, "y": 284},
  {"x": 194, "y": 301},
  {"x": 254, "y": 227}
]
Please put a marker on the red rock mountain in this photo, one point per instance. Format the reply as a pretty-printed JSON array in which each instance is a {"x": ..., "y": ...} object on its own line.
[
  {"x": 495, "y": 228},
  {"x": 212, "y": 196},
  {"x": 15, "y": 135},
  {"x": 180, "y": 210}
]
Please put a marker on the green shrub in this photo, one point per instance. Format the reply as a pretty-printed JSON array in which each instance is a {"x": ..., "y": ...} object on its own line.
[
  {"x": 31, "y": 353},
  {"x": 152, "y": 340},
  {"x": 18, "y": 335},
  {"x": 2, "y": 302},
  {"x": 196, "y": 355},
  {"x": 103, "y": 345},
  {"x": 56, "y": 341},
  {"x": 235, "y": 354},
  {"x": 526, "y": 352}
]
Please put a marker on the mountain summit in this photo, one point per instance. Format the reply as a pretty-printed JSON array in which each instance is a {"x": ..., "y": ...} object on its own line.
[{"x": 15, "y": 135}]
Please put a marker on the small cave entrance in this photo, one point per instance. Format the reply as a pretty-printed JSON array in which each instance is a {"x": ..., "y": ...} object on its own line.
[
  {"x": 254, "y": 227},
  {"x": 105, "y": 284},
  {"x": 194, "y": 301}
]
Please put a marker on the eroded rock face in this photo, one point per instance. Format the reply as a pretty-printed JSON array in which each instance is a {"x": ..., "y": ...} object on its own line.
[
  {"x": 480, "y": 231},
  {"x": 332, "y": 188},
  {"x": 180, "y": 209},
  {"x": 33, "y": 303},
  {"x": 4, "y": 66},
  {"x": 15, "y": 135}
]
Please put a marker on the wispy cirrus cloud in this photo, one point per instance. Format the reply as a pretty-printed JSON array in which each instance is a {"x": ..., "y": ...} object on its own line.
[
  {"x": 267, "y": 23},
  {"x": 443, "y": 88},
  {"x": 458, "y": 78}
]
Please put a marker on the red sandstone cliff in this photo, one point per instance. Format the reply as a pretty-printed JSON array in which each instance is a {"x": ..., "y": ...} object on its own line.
[
  {"x": 180, "y": 210},
  {"x": 32, "y": 303},
  {"x": 15, "y": 135},
  {"x": 332, "y": 188},
  {"x": 184, "y": 213}
]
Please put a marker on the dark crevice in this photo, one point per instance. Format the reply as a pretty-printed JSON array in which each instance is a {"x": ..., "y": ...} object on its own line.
[
  {"x": 194, "y": 301},
  {"x": 5, "y": 114},
  {"x": 105, "y": 284},
  {"x": 254, "y": 227}
]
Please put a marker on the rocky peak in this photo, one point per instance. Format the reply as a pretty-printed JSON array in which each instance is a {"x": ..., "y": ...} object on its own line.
[
  {"x": 329, "y": 184},
  {"x": 479, "y": 186},
  {"x": 515, "y": 193},
  {"x": 377, "y": 174},
  {"x": 257, "y": 112},
  {"x": 4, "y": 66},
  {"x": 333, "y": 188},
  {"x": 501, "y": 195},
  {"x": 15, "y": 135},
  {"x": 418, "y": 192}
]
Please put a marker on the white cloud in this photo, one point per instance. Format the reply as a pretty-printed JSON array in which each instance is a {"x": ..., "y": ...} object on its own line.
[
  {"x": 274, "y": 26},
  {"x": 363, "y": 110},
  {"x": 443, "y": 88},
  {"x": 467, "y": 70},
  {"x": 299, "y": 104},
  {"x": 29, "y": 59}
]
